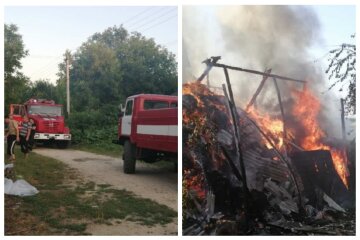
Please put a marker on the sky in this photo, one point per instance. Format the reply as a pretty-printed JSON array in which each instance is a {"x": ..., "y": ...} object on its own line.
[
  {"x": 337, "y": 25},
  {"x": 48, "y": 31}
]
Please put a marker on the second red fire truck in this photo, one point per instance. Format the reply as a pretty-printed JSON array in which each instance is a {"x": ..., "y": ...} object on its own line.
[{"x": 147, "y": 128}]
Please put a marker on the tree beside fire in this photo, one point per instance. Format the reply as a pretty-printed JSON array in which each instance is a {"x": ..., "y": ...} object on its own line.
[{"x": 342, "y": 71}]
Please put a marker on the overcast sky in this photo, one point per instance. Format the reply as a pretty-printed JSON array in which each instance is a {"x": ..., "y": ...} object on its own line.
[{"x": 48, "y": 31}]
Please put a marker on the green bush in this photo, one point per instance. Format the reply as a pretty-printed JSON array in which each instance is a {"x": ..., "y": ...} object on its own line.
[{"x": 96, "y": 127}]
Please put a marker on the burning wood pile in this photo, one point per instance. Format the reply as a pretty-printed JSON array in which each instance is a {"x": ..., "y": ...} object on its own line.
[{"x": 244, "y": 173}]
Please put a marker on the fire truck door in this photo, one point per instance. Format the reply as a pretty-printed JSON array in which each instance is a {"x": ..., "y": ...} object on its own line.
[
  {"x": 18, "y": 111},
  {"x": 126, "y": 120}
]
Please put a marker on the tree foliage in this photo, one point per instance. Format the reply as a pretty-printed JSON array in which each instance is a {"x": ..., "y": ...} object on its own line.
[
  {"x": 105, "y": 70},
  {"x": 14, "y": 50},
  {"x": 15, "y": 82},
  {"x": 115, "y": 64},
  {"x": 342, "y": 71},
  {"x": 42, "y": 89}
]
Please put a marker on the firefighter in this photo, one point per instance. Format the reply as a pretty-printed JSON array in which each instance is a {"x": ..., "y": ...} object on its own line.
[
  {"x": 25, "y": 136},
  {"x": 32, "y": 134},
  {"x": 12, "y": 136}
]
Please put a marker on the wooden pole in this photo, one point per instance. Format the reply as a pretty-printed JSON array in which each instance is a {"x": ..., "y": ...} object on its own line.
[
  {"x": 232, "y": 104},
  {"x": 241, "y": 176},
  {"x": 209, "y": 64},
  {"x": 258, "y": 90},
  {"x": 256, "y": 72},
  {"x": 282, "y": 114},
  {"x": 234, "y": 115},
  {"x": 68, "y": 83}
]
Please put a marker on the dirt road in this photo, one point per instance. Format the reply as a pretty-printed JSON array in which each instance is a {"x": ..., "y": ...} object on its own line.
[{"x": 158, "y": 184}]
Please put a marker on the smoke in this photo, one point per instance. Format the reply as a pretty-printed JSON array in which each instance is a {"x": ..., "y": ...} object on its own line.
[
  {"x": 276, "y": 36},
  {"x": 258, "y": 38}
]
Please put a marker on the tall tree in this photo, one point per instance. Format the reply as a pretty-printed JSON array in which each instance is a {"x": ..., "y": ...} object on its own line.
[
  {"x": 148, "y": 67},
  {"x": 115, "y": 64},
  {"x": 106, "y": 69},
  {"x": 42, "y": 89},
  {"x": 16, "y": 83},
  {"x": 342, "y": 71},
  {"x": 95, "y": 77}
]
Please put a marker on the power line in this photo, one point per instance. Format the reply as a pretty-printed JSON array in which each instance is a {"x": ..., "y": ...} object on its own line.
[
  {"x": 155, "y": 25},
  {"x": 155, "y": 17},
  {"x": 139, "y": 14},
  {"x": 146, "y": 17},
  {"x": 41, "y": 69}
]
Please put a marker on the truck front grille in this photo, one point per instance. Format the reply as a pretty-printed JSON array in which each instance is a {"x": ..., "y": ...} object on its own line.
[{"x": 51, "y": 127}]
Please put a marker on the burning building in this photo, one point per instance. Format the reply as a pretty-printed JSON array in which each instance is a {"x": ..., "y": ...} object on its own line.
[
  {"x": 262, "y": 152},
  {"x": 251, "y": 172}
]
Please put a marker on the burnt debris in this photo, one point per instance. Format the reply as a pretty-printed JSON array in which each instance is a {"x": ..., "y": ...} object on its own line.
[{"x": 234, "y": 184}]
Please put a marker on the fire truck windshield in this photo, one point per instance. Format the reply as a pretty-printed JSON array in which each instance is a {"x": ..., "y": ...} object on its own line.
[{"x": 45, "y": 110}]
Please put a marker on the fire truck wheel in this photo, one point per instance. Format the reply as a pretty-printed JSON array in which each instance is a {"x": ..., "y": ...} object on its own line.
[{"x": 129, "y": 157}]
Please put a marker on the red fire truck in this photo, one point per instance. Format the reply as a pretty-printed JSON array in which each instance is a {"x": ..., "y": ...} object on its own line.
[
  {"x": 49, "y": 120},
  {"x": 147, "y": 128}
]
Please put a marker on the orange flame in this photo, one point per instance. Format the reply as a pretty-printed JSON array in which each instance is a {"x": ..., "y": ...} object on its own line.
[
  {"x": 306, "y": 110},
  {"x": 273, "y": 127}
]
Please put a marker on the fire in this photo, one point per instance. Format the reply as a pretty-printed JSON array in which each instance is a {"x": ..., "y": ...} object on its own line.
[
  {"x": 306, "y": 110},
  {"x": 273, "y": 127},
  {"x": 191, "y": 88},
  {"x": 310, "y": 135},
  {"x": 196, "y": 90}
]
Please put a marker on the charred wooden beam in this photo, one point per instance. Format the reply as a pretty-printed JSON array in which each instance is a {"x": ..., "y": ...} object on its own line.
[
  {"x": 258, "y": 90},
  {"x": 232, "y": 165},
  {"x": 237, "y": 133},
  {"x": 235, "y": 119},
  {"x": 209, "y": 64},
  {"x": 254, "y": 72},
  {"x": 282, "y": 113},
  {"x": 294, "y": 145}
]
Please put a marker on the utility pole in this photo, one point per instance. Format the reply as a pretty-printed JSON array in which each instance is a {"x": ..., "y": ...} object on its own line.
[
  {"x": 68, "y": 82},
  {"x": 343, "y": 120}
]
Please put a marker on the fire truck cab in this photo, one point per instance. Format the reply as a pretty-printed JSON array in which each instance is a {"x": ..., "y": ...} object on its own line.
[
  {"x": 147, "y": 128},
  {"x": 50, "y": 123}
]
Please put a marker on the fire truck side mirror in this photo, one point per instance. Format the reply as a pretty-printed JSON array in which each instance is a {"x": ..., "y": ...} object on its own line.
[{"x": 121, "y": 110}]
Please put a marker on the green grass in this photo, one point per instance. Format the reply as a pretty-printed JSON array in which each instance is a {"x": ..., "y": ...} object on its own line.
[{"x": 67, "y": 209}]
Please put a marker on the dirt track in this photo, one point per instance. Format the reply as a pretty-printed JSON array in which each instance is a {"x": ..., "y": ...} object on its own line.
[{"x": 158, "y": 184}]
